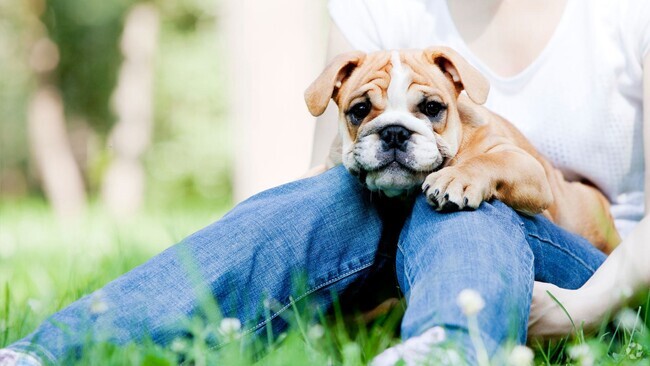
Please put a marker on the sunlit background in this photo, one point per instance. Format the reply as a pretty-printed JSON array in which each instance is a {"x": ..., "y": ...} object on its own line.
[
  {"x": 161, "y": 105},
  {"x": 126, "y": 126}
]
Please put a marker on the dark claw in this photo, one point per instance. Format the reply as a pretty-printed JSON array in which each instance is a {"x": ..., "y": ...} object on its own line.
[
  {"x": 450, "y": 207},
  {"x": 436, "y": 192},
  {"x": 465, "y": 201},
  {"x": 446, "y": 197},
  {"x": 425, "y": 188},
  {"x": 434, "y": 204}
]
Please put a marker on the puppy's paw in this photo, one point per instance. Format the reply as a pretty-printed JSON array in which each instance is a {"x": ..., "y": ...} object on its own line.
[{"x": 453, "y": 189}]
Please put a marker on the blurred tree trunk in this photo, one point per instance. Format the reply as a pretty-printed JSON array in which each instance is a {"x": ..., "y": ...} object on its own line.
[
  {"x": 48, "y": 138},
  {"x": 50, "y": 146},
  {"x": 124, "y": 183},
  {"x": 275, "y": 50}
]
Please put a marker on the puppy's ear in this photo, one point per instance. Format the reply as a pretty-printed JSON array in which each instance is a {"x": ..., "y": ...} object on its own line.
[
  {"x": 463, "y": 75},
  {"x": 469, "y": 113},
  {"x": 318, "y": 95}
]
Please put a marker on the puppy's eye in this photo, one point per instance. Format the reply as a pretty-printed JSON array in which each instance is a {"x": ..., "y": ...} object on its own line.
[
  {"x": 431, "y": 108},
  {"x": 358, "y": 112}
]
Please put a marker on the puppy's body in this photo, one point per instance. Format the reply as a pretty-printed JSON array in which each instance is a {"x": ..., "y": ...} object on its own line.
[
  {"x": 577, "y": 207},
  {"x": 404, "y": 123}
]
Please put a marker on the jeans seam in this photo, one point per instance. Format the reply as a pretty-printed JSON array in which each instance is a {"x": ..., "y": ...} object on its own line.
[
  {"x": 529, "y": 291},
  {"x": 298, "y": 298},
  {"x": 406, "y": 271},
  {"x": 572, "y": 255}
]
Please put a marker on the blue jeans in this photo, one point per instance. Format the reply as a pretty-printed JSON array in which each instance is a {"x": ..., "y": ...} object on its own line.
[{"x": 328, "y": 231}]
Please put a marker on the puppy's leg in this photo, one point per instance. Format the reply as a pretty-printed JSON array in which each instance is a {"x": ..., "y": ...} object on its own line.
[
  {"x": 504, "y": 172},
  {"x": 583, "y": 210}
]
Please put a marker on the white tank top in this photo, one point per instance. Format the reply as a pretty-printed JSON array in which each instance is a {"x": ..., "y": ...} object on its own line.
[{"x": 579, "y": 102}]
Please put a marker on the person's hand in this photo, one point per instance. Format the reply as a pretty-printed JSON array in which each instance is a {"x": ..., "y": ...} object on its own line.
[
  {"x": 547, "y": 319},
  {"x": 624, "y": 274},
  {"x": 582, "y": 309}
]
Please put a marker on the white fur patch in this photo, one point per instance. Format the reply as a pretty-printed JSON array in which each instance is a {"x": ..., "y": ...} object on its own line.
[
  {"x": 365, "y": 151},
  {"x": 425, "y": 152},
  {"x": 400, "y": 80}
]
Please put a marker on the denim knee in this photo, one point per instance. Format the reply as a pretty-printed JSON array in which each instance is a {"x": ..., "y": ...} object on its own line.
[
  {"x": 440, "y": 254},
  {"x": 480, "y": 223},
  {"x": 493, "y": 232},
  {"x": 490, "y": 222}
]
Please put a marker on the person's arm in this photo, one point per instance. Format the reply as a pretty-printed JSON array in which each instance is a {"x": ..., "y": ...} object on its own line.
[
  {"x": 326, "y": 150},
  {"x": 624, "y": 273}
]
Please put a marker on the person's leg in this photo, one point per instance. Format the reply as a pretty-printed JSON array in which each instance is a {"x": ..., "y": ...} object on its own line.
[
  {"x": 492, "y": 250},
  {"x": 561, "y": 258},
  {"x": 324, "y": 228}
]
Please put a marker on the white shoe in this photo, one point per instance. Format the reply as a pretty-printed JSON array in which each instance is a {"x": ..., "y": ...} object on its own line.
[
  {"x": 13, "y": 358},
  {"x": 419, "y": 350}
]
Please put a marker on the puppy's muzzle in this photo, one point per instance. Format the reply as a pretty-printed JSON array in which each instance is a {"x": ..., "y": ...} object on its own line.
[{"x": 394, "y": 137}]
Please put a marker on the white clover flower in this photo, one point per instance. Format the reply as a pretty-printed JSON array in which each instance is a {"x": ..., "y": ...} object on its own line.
[
  {"x": 625, "y": 292},
  {"x": 628, "y": 319},
  {"x": 230, "y": 327},
  {"x": 315, "y": 332},
  {"x": 634, "y": 351},
  {"x": 470, "y": 302},
  {"x": 351, "y": 351},
  {"x": 582, "y": 353},
  {"x": 35, "y": 305},
  {"x": 521, "y": 356},
  {"x": 97, "y": 303},
  {"x": 179, "y": 345}
]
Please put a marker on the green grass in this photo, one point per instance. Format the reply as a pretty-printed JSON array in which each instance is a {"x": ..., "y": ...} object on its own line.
[{"x": 46, "y": 263}]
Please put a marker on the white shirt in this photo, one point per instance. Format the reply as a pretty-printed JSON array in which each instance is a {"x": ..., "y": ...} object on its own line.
[{"x": 579, "y": 102}]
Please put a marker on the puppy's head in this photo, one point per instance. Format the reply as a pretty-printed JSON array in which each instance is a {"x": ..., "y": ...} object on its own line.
[{"x": 399, "y": 118}]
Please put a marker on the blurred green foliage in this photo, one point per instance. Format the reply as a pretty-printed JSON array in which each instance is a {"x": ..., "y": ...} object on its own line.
[
  {"x": 15, "y": 86},
  {"x": 87, "y": 34},
  {"x": 191, "y": 154},
  {"x": 189, "y": 159}
]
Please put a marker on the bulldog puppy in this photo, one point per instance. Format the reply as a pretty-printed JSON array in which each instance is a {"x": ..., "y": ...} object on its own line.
[{"x": 406, "y": 123}]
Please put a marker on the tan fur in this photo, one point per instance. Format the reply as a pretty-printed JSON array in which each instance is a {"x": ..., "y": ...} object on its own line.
[
  {"x": 488, "y": 157},
  {"x": 463, "y": 75},
  {"x": 575, "y": 206},
  {"x": 321, "y": 91}
]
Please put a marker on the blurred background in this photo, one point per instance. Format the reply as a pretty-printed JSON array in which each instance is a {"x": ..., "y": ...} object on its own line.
[
  {"x": 127, "y": 125},
  {"x": 128, "y": 106}
]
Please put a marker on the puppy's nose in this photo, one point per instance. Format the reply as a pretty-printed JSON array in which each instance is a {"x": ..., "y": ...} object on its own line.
[{"x": 395, "y": 137}]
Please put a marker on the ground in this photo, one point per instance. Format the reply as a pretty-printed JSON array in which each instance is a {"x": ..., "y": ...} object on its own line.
[{"x": 47, "y": 263}]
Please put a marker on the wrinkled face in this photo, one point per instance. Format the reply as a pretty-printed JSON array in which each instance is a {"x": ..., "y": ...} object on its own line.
[
  {"x": 398, "y": 112},
  {"x": 398, "y": 121}
]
